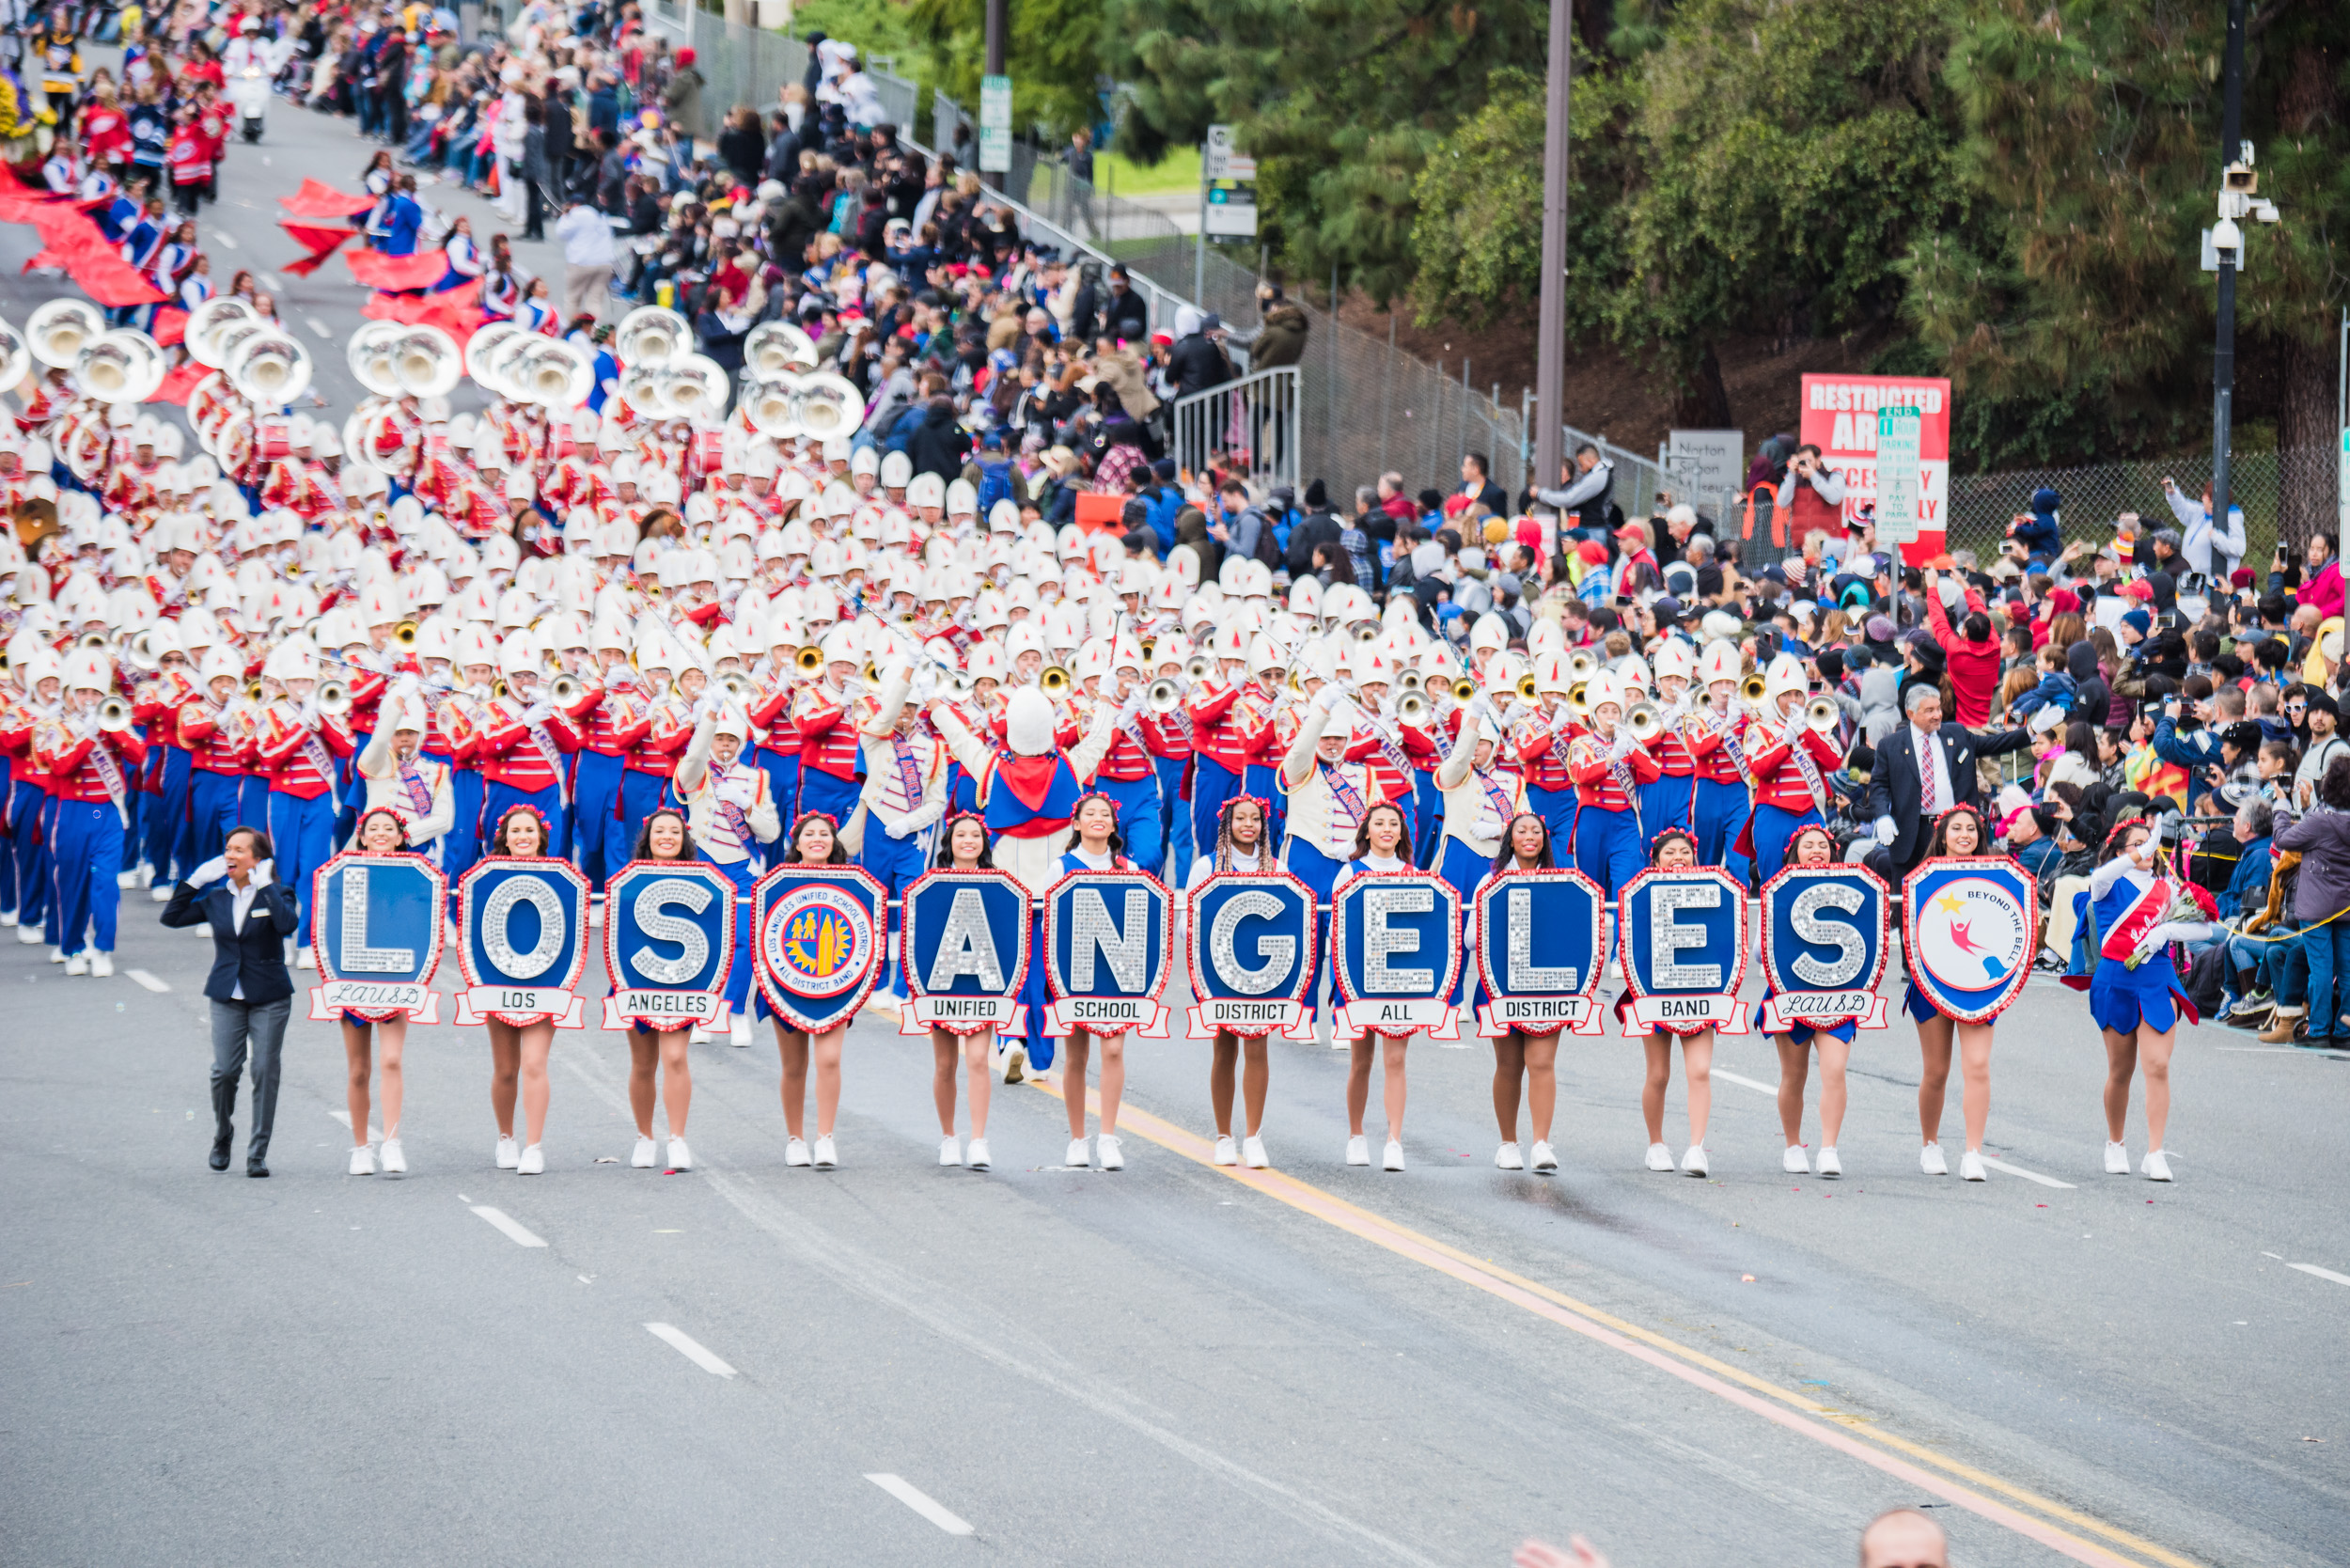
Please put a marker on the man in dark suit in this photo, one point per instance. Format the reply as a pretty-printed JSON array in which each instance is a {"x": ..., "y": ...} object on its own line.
[
  {"x": 251, "y": 914},
  {"x": 1923, "y": 769}
]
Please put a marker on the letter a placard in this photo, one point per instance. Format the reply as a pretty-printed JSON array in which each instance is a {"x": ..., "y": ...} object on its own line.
[
  {"x": 377, "y": 930},
  {"x": 1395, "y": 949},
  {"x": 965, "y": 950},
  {"x": 1541, "y": 946},
  {"x": 1108, "y": 947},
  {"x": 1683, "y": 939},
  {"x": 1251, "y": 946}
]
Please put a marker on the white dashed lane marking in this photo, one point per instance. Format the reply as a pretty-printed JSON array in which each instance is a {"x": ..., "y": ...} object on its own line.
[
  {"x": 922, "y": 1502},
  {"x": 689, "y": 1347}
]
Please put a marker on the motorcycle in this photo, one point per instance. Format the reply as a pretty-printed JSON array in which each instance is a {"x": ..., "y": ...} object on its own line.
[{"x": 248, "y": 89}]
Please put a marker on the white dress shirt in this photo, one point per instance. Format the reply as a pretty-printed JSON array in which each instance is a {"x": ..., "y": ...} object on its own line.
[
  {"x": 1932, "y": 760},
  {"x": 239, "y": 906}
]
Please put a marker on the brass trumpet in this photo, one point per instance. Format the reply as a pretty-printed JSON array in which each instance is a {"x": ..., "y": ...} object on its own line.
[
  {"x": 566, "y": 688},
  {"x": 1411, "y": 707},
  {"x": 1411, "y": 681},
  {"x": 735, "y": 684},
  {"x": 1750, "y": 690},
  {"x": 1645, "y": 721},
  {"x": 808, "y": 660},
  {"x": 1200, "y": 667},
  {"x": 333, "y": 698},
  {"x": 1821, "y": 714},
  {"x": 1581, "y": 665},
  {"x": 1163, "y": 697},
  {"x": 1527, "y": 689},
  {"x": 405, "y": 635},
  {"x": 1463, "y": 689},
  {"x": 94, "y": 640},
  {"x": 1366, "y": 631},
  {"x": 1056, "y": 682},
  {"x": 113, "y": 716}
]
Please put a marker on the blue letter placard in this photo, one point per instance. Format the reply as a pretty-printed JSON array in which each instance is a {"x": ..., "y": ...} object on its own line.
[
  {"x": 524, "y": 924},
  {"x": 1968, "y": 923},
  {"x": 965, "y": 950},
  {"x": 1395, "y": 949},
  {"x": 1684, "y": 935},
  {"x": 668, "y": 938},
  {"x": 377, "y": 929},
  {"x": 1823, "y": 948},
  {"x": 1251, "y": 943},
  {"x": 1539, "y": 951},
  {"x": 821, "y": 933},
  {"x": 1108, "y": 946}
]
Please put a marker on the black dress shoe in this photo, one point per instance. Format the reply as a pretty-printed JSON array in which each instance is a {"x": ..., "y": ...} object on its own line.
[
  {"x": 220, "y": 1154},
  {"x": 255, "y": 1167}
]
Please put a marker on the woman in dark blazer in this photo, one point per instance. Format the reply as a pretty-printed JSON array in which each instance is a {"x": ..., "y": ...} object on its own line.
[{"x": 251, "y": 914}]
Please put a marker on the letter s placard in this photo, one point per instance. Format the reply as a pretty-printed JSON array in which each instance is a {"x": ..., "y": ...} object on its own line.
[
  {"x": 377, "y": 930},
  {"x": 1108, "y": 947},
  {"x": 1250, "y": 945},
  {"x": 1395, "y": 949},
  {"x": 522, "y": 924},
  {"x": 1683, "y": 934},
  {"x": 668, "y": 939},
  {"x": 1823, "y": 941},
  {"x": 1540, "y": 945}
]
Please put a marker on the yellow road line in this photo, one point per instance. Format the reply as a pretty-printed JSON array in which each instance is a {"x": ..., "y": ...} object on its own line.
[{"x": 1835, "y": 1429}]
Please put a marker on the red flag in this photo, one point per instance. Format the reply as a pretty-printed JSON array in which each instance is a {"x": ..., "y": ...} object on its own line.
[
  {"x": 318, "y": 200},
  {"x": 171, "y": 326},
  {"x": 179, "y": 383},
  {"x": 320, "y": 240},
  {"x": 70, "y": 240},
  {"x": 457, "y": 312},
  {"x": 378, "y": 271}
]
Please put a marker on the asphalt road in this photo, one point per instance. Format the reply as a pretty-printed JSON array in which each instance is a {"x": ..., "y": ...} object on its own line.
[{"x": 1171, "y": 1364}]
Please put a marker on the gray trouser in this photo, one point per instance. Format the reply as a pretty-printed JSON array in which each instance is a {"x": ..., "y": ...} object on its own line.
[
  {"x": 585, "y": 291},
  {"x": 262, "y": 1025}
]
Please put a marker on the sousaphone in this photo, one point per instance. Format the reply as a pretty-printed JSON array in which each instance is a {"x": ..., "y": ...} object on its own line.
[
  {"x": 371, "y": 358},
  {"x": 57, "y": 330},
  {"x": 209, "y": 321},
  {"x": 774, "y": 348},
  {"x": 123, "y": 366},
  {"x": 830, "y": 405},
  {"x": 270, "y": 368},
  {"x": 651, "y": 337}
]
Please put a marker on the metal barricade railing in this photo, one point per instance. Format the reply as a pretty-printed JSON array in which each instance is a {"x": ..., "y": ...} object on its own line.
[{"x": 1249, "y": 426}]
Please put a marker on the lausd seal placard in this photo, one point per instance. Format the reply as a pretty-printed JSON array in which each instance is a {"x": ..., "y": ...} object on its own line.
[
  {"x": 1539, "y": 951},
  {"x": 1684, "y": 934},
  {"x": 819, "y": 933},
  {"x": 965, "y": 950},
  {"x": 1251, "y": 950},
  {"x": 377, "y": 927},
  {"x": 668, "y": 939},
  {"x": 523, "y": 925},
  {"x": 1823, "y": 930},
  {"x": 1968, "y": 923},
  {"x": 1108, "y": 947},
  {"x": 1395, "y": 947}
]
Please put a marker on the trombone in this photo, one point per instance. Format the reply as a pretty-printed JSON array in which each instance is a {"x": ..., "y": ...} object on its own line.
[
  {"x": 1644, "y": 722},
  {"x": 333, "y": 698},
  {"x": 1821, "y": 714},
  {"x": 1163, "y": 697},
  {"x": 566, "y": 688},
  {"x": 114, "y": 716}
]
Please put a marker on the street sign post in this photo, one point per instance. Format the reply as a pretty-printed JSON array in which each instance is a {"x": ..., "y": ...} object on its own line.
[
  {"x": 995, "y": 125},
  {"x": 1232, "y": 211},
  {"x": 1901, "y": 435},
  {"x": 1222, "y": 211}
]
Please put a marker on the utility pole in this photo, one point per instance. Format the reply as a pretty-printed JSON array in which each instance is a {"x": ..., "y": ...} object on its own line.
[
  {"x": 1550, "y": 374},
  {"x": 998, "y": 30},
  {"x": 2223, "y": 349}
]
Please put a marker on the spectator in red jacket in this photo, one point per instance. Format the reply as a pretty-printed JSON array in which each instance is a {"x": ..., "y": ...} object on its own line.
[{"x": 1972, "y": 650}]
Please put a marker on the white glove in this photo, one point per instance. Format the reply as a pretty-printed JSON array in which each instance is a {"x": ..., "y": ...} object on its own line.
[
  {"x": 208, "y": 872},
  {"x": 86, "y": 725},
  {"x": 262, "y": 872},
  {"x": 408, "y": 685},
  {"x": 1885, "y": 831},
  {"x": 310, "y": 716},
  {"x": 1327, "y": 699},
  {"x": 539, "y": 712},
  {"x": 893, "y": 826}
]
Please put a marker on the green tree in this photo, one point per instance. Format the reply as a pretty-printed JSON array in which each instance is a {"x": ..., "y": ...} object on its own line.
[
  {"x": 1053, "y": 54},
  {"x": 1342, "y": 102},
  {"x": 2090, "y": 132}
]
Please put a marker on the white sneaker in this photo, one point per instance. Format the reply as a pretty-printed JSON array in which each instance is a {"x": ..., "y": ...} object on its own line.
[
  {"x": 57, "y": 955},
  {"x": 1252, "y": 1154},
  {"x": 1830, "y": 1164},
  {"x": 1113, "y": 1155},
  {"x": 1015, "y": 1062},
  {"x": 795, "y": 1152},
  {"x": 511, "y": 1153},
  {"x": 1226, "y": 1154},
  {"x": 1694, "y": 1163},
  {"x": 949, "y": 1152},
  {"x": 309, "y": 960},
  {"x": 1929, "y": 1160},
  {"x": 1393, "y": 1159},
  {"x": 1970, "y": 1168},
  {"x": 394, "y": 1162},
  {"x": 681, "y": 1157},
  {"x": 697, "y": 1036},
  {"x": 361, "y": 1160},
  {"x": 77, "y": 964},
  {"x": 532, "y": 1163},
  {"x": 1659, "y": 1158},
  {"x": 7, "y": 918},
  {"x": 2117, "y": 1159},
  {"x": 639, "y": 1158},
  {"x": 2155, "y": 1167},
  {"x": 1358, "y": 1150},
  {"x": 30, "y": 936},
  {"x": 1542, "y": 1158},
  {"x": 826, "y": 1157},
  {"x": 126, "y": 880},
  {"x": 976, "y": 1158},
  {"x": 162, "y": 894},
  {"x": 1795, "y": 1162},
  {"x": 738, "y": 1032},
  {"x": 102, "y": 965},
  {"x": 1078, "y": 1155},
  {"x": 1507, "y": 1158}
]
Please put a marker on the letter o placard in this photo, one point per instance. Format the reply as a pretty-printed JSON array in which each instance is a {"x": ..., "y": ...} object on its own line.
[{"x": 523, "y": 926}]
